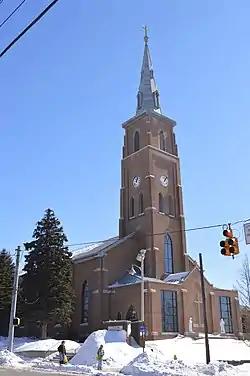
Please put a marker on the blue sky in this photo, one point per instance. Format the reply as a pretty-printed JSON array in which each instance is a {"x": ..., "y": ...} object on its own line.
[{"x": 71, "y": 81}]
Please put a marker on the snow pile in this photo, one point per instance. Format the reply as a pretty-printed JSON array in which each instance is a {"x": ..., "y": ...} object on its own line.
[
  {"x": 47, "y": 345},
  {"x": 17, "y": 342},
  {"x": 151, "y": 364},
  {"x": 8, "y": 359},
  {"x": 191, "y": 351},
  {"x": 117, "y": 351}
]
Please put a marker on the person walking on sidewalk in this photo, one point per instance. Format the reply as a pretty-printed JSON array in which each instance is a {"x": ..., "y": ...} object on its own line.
[
  {"x": 62, "y": 353},
  {"x": 100, "y": 355}
]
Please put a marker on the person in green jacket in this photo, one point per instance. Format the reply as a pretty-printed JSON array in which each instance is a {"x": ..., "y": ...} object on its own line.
[{"x": 99, "y": 357}]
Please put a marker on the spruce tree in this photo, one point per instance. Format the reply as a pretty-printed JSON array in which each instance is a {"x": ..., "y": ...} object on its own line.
[
  {"x": 6, "y": 282},
  {"x": 47, "y": 282}
]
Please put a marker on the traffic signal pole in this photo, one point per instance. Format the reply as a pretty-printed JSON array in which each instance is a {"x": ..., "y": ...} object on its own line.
[
  {"x": 14, "y": 302},
  {"x": 204, "y": 309}
]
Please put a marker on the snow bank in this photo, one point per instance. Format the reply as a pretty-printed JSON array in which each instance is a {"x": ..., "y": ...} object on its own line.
[
  {"x": 47, "y": 345},
  {"x": 191, "y": 351},
  {"x": 117, "y": 351},
  {"x": 151, "y": 364},
  {"x": 8, "y": 359},
  {"x": 17, "y": 341}
]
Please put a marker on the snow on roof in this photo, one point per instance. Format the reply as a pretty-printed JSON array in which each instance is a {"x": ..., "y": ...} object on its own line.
[
  {"x": 92, "y": 249},
  {"x": 129, "y": 279},
  {"x": 96, "y": 248},
  {"x": 176, "y": 277}
]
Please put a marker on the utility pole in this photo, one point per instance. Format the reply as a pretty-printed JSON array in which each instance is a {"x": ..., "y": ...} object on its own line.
[
  {"x": 14, "y": 301},
  {"x": 204, "y": 309}
]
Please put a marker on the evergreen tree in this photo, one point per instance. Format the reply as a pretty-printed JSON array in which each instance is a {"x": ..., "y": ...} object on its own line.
[
  {"x": 48, "y": 278},
  {"x": 6, "y": 282}
]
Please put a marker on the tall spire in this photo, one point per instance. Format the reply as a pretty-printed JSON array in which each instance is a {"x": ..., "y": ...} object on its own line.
[{"x": 148, "y": 96}]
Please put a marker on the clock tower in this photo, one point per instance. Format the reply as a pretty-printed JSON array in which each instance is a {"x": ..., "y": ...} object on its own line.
[{"x": 151, "y": 192}]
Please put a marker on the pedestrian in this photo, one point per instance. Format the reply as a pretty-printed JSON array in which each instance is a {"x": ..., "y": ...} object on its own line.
[
  {"x": 100, "y": 355},
  {"x": 62, "y": 353}
]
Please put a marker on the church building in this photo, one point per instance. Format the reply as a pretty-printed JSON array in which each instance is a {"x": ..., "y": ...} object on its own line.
[{"x": 151, "y": 241}]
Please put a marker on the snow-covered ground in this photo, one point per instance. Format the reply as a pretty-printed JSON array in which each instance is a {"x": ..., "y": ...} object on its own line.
[{"x": 157, "y": 360}]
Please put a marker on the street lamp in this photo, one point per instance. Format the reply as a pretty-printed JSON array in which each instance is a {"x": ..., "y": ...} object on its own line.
[{"x": 140, "y": 257}]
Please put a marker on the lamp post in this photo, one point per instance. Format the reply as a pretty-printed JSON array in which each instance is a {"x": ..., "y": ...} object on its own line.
[{"x": 140, "y": 257}]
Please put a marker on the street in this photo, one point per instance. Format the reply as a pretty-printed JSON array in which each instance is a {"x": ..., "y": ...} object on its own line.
[
  {"x": 32, "y": 372},
  {"x": 20, "y": 372}
]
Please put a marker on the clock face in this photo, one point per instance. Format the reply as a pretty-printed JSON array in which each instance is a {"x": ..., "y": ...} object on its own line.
[
  {"x": 136, "y": 181},
  {"x": 164, "y": 180}
]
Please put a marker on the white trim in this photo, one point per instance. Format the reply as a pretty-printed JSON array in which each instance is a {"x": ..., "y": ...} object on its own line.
[
  {"x": 149, "y": 114},
  {"x": 184, "y": 290},
  {"x": 99, "y": 269},
  {"x": 150, "y": 176},
  {"x": 161, "y": 213},
  {"x": 133, "y": 217},
  {"x": 150, "y": 208},
  {"x": 169, "y": 156},
  {"x": 95, "y": 291},
  {"x": 84, "y": 324},
  {"x": 139, "y": 215},
  {"x": 212, "y": 293}
]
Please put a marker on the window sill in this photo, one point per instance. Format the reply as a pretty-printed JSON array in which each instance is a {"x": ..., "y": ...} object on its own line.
[
  {"x": 132, "y": 217},
  {"x": 84, "y": 324},
  {"x": 139, "y": 215},
  {"x": 161, "y": 213}
]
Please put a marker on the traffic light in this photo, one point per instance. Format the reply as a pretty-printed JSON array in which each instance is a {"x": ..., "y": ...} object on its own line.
[
  {"x": 225, "y": 248},
  {"x": 230, "y": 246},
  {"x": 16, "y": 321}
]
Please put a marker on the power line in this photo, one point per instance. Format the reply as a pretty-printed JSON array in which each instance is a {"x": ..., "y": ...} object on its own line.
[
  {"x": 29, "y": 27},
  {"x": 12, "y": 13},
  {"x": 158, "y": 233},
  {"x": 163, "y": 233},
  {"x": 199, "y": 228}
]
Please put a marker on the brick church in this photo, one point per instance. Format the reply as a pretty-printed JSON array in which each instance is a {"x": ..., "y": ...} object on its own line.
[{"x": 107, "y": 275}]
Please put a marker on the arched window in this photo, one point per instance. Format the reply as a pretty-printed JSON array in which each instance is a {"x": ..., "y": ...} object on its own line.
[
  {"x": 132, "y": 207},
  {"x": 162, "y": 138},
  {"x": 141, "y": 203},
  {"x": 168, "y": 255},
  {"x": 85, "y": 302},
  {"x": 161, "y": 203},
  {"x": 170, "y": 205},
  {"x": 136, "y": 141}
]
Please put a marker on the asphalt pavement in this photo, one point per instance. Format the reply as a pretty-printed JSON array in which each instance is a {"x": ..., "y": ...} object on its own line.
[
  {"x": 21, "y": 372},
  {"x": 25, "y": 372}
]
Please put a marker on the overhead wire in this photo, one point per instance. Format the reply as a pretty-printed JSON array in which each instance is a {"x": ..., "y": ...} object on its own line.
[
  {"x": 12, "y": 13},
  {"x": 2, "y": 53},
  {"x": 162, "y": 233},
  {"x": 154, "y": 234}
]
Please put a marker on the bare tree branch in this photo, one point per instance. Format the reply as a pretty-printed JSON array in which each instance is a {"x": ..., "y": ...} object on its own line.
[{"x": 243, "y": 287}]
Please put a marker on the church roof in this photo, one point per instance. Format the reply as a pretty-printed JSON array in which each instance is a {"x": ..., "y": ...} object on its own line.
[
  {"x": 148, "y": 96},
  {"x": 95, "y": 249},
  {"x": 176, "y": 277},
  {"x": 129, "y": 279}
]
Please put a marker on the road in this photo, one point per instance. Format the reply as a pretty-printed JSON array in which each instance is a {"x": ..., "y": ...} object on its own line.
[{"x": 20, "y": 372}]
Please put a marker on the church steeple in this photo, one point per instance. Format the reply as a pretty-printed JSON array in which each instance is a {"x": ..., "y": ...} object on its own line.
[{"x": 148, "y": 96}]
